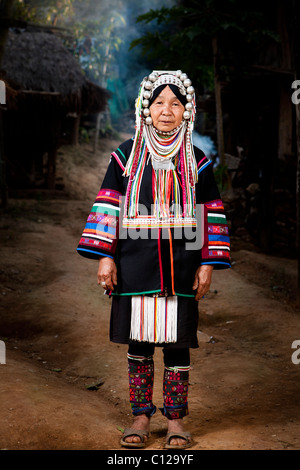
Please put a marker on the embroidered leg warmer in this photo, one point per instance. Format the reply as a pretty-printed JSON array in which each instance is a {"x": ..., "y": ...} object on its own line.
[
  {"x": 141, "y": 378},
  {"x": 175, "y": 391}
]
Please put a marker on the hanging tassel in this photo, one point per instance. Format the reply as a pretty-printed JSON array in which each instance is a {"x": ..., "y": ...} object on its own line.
[{"x": 154, "y": 319}]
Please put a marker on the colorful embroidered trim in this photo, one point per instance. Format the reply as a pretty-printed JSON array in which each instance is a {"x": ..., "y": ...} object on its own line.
[
  {"x": 216, "y": 245},
  {"x": 175, "y": 390},
  {"x": 100, "y": 234},
  {"x": 118, "y": 159},
  {"x": 149, "y": 222},
  {"x": 141, "y": 377},
  {"x": 203, "y": 164}
]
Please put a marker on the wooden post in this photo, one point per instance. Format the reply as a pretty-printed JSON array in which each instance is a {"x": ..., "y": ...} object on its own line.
[
  {"x": 6, "y": 7},
  {"x": 103, "y": 84},
  {"x": 3, "y": 185},
  {"x": 5, "y": 12},
  {"x": 75, "y": 129},
  {"x": 51, "y": 168},
  {"x": 296, "y": 63}
]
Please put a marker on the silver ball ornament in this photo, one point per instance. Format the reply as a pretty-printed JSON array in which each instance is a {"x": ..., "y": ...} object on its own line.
[
  {"x": 190, "y": 90},
  {"x": 189, "y": 97},
  {"x": 145, "y": 103},
  {"x": 152, "y": 77},
  {"x": 178, "y": 73},
  {"x": 146, "y": 112},
  {"x": 183, "y": 77},
  {"x": 148, "y": 85},
  {"x": 186, "y": 115},
  {"x": 147, "y": 94},
  {"x": 148, "y": 120},
  {"x": 189, "y": 106},
  {"x": 187, "y": 82}
]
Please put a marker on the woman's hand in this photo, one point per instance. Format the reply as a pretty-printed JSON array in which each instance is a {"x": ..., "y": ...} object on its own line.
[
  {"x": 107, "y": 273},
  {"x": 202, "y": 280}
]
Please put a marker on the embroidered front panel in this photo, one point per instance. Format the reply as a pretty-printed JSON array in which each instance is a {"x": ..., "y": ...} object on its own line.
[{"x": 100, "y": 234}]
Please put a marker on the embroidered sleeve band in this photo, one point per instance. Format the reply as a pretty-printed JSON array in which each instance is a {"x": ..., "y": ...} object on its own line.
[
  {"x": 100, "y": 235},
  {"x": 216, "y": 248}
]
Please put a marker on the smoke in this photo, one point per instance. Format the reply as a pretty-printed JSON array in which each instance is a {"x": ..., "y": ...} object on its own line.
[
  {"x": 129, "y": 67},
  {"x": 205, "y": 144}
]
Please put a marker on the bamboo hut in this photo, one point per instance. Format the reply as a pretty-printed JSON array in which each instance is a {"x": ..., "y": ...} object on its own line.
[{"x": 51, "y": 93}]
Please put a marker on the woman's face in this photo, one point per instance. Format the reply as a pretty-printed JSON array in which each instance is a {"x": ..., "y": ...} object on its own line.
[{"x": 166, "y": 111}]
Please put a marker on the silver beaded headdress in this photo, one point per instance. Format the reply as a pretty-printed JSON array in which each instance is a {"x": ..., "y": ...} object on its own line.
[
  {"x": 144, "y": 137},
  {"x": 160, "y": 77}
]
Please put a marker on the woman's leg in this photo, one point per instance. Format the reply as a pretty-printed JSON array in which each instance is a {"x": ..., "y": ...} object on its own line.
[
  {"x": 175, "y": 389},
  {"x": 141, "y": 377}
]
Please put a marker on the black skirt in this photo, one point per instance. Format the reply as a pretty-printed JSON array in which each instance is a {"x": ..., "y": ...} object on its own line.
[{"x": 187, "y": 322}]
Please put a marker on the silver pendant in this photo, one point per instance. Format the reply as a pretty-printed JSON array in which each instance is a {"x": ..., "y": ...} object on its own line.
[{"x": 163, "y": 164}]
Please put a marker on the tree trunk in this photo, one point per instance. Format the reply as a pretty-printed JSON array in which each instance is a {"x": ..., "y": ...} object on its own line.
[
  {"x": 98, "y": 122},
  {"x": 3, "y": 185},
  {"x": 51, "y": 170},
  {"x": 298, "y": 198},
  {"x": 6, "y": 7},
  {"x": 296, "y": 61},
  {"x": 219, "y": 113},
  {"x": 103, "y": 84},
  {"x": 75, "y": 130}
]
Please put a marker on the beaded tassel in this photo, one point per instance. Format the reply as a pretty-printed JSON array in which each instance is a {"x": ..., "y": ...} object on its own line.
[{"x": 154, "y": 319}]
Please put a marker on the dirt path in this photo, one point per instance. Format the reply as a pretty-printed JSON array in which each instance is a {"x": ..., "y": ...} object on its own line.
[{"x": 54, "y": 320}]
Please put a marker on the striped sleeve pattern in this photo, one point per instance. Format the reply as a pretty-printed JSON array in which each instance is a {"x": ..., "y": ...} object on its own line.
[
  {"x": 216, "y": 247},
  {"x": 100, "y": 235}
]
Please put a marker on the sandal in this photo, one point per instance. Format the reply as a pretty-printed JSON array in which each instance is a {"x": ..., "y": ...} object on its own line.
[
  {"x": 134, "y": 432},
  {"x": 181, "y": 435}
]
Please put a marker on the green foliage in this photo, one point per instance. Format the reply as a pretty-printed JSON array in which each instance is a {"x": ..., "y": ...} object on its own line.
[
  {"x": 221, "y": 177},
  {"x": 51, "y": 12},
  {"x": 94, "y": 44},
  {"x": 91, "y": 31},
  {"x": 181, "y": 36},
  {"x": 84, "y": 135}
]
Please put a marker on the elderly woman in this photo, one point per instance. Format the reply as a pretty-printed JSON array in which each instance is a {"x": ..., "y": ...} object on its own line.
[{"x": 158, "y": 229}]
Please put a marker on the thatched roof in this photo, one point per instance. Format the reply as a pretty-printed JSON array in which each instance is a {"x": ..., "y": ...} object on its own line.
[{"x": 38, "y": 62}]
